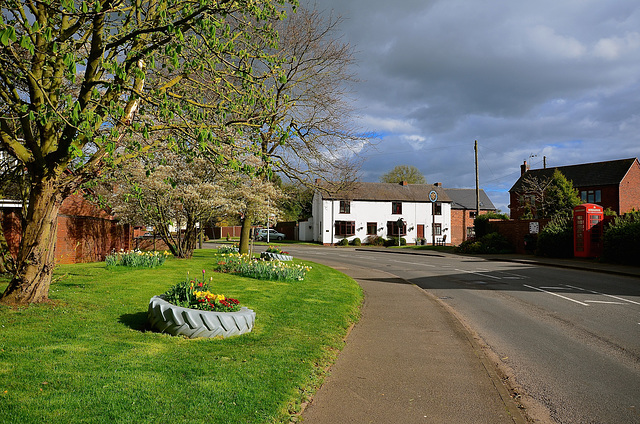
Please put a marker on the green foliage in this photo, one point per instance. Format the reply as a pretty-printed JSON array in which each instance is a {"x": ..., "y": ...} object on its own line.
[
  {"x": 561, "y": 197},
  {"x": 492, "y": 243},
  {"x": 622, "y": 239},
  {"x": 136, "y": 259},
  {"x": 483, "y": 226},
  {"x": 356, "y": 242},
  {"x": 195, "y": 294},
  {"x": 393, "y": 241},
  {"x": 400, "y": 173},
  {"x": 296, "y": 203},
  {"x": 375, "y": 241},
  {"x": 260, "y": 269},
  {"x": 556, "y": 238},
  {"x": 90, "y": 353},
  {"x": 343, "y": 242}
]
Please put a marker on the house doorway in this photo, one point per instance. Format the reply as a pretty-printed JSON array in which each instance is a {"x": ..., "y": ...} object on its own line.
[{"x": 420, "y": 234}]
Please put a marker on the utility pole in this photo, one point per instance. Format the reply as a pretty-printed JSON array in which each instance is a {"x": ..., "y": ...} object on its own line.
[{"x": 475, "y": 148}]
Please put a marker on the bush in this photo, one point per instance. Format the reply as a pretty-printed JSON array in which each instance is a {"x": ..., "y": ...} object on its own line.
[
  {"x": 622, "y": 239},
  {"x": 375, "y": 241},
  {"x": 483, "y": 226},
  {"x": 489, "y": 244},
  {"x": 393, "y": 241},
  {"x": 343, "y": 242},
  {"x": 556, "y": 239},
  {"x": 356, "y": 242}
]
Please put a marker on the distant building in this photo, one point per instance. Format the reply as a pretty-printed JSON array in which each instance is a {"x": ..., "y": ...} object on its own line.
[
  {"x": 612, "y": 184},
  {"x": 416, "y": 212},
  {"x": 463, "y": 211}
]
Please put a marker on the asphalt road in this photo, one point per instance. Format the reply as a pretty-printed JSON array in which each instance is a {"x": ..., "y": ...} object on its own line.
[{"x": 568, "y": 340}]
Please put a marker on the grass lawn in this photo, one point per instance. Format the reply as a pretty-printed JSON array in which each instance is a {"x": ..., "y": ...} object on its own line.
[{"x": 88, "y": 357}]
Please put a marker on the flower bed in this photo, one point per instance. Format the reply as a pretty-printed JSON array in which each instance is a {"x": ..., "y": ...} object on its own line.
[
  {"x": 190, "y": 309},
  {"x": 136, "y": 258},
  {"x": 274, "y": 253},
  {"x": 178, "y": 321},
  {"x": 268, "y": 256},
  {"x": 261, "y": 269}
]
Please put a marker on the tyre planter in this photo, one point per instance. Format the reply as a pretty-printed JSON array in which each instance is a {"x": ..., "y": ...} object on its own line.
[
  {"x": 268, "y": 256},
  {"x": 177, "y": 321}
]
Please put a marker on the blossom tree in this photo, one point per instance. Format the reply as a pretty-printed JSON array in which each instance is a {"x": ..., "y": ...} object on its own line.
[{"x": 179, "y": 192}]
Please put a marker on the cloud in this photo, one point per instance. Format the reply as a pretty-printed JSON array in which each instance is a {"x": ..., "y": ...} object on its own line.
[{"x": 559, "y": 79}]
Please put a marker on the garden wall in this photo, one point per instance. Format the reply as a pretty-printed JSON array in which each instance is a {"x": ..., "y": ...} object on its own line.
[
  {"x": 86, "y": 233},
  {"x": 517, "y": 232}
]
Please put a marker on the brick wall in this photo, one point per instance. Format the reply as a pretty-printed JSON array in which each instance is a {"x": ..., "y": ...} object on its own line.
[
  {"x": 516, "y": 230},
  {"x": 630, "y": 190},
  {"x": 460, "y": 220},
  {"x": 11, "y": 225},
  {"x": 86, "y": 233}
]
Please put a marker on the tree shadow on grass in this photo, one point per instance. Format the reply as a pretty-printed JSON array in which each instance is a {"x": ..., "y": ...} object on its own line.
[{"x": 137, "y": 321}]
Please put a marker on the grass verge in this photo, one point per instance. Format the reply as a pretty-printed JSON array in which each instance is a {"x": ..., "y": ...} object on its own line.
[{"x": 87, "y": 356}]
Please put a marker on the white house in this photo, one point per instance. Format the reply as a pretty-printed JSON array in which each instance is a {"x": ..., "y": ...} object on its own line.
[{"x": 417, "y": 212}]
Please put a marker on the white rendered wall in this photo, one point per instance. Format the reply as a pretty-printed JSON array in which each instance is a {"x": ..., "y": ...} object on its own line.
[{"x": 362, "y": 212}]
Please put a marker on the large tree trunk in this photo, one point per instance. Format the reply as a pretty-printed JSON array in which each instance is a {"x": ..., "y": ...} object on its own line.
[
  {"x": 35, "y": 261},
  {"x": 245, "y": 233}
]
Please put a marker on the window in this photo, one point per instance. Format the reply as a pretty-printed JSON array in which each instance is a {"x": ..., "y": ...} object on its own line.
[
  {"x": 437, "y": 208},
  {"x": 345, "y": 206},
  {"x": 372, "y": 228},
  {"x": 392, "y": 229},
  {"x": 591, "y": 196},
  {"x": 472, "y": 214},
  {"x": 396, "y": 208},
  {"x": 437, "y": 229},
  {"x": 471, "y": 232},
  {"x": 345, "y": 228}
]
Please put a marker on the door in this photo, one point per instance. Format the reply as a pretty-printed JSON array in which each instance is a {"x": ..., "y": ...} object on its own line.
[{"x": 420, "y": 231}]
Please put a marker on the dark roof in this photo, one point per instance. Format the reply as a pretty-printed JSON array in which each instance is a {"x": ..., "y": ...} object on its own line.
[
  {"x": 387, "y": 192},
  {"x": 465, "y": 198},
  {"x": 584, "y": 175}
]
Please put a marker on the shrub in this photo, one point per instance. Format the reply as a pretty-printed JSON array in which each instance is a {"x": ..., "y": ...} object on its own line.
[
  {"x": 489, "y": 244},
  {"x": 393, "y": 241},
  {"x": 356, "y": 242},
  {"x": 622, "y": 239},
  {"x": 375, "y": 241},
  {"x": 343, "y": 242},
  {"x": 556, "y": 239},
  {"x": 483, "y": 226}
]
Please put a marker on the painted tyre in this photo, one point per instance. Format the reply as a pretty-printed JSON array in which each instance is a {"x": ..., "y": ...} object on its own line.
[
  {"x": 268, "y": 256},
  {"x": 175, "y": 320}
]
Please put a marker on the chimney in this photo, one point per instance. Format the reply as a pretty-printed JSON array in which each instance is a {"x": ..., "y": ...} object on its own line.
[
  {"x": 524, "y": 168},
  {"x": 438, "y": 184},
  {"x": 404, "y": 183}
]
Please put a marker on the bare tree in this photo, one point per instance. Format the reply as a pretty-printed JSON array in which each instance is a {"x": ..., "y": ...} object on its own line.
[{"x": 308, "y": 134}]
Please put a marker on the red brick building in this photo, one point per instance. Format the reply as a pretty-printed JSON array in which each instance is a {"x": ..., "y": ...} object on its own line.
[
  {"x": 86, "y": 233},
  {"x": 463, "y": 211},
  {"x": 612, "y": 184}
]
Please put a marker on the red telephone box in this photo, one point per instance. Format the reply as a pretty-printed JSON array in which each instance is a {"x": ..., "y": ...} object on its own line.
[{"x": 587, "y": 230}]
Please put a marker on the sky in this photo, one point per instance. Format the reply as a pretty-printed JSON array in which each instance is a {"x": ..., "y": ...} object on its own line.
[{"x": 526, "y": 79}]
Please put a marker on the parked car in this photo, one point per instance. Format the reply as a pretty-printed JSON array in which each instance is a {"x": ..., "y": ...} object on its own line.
[{"x": 273, "y": 234}]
